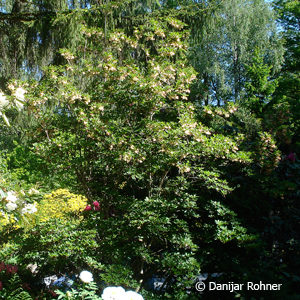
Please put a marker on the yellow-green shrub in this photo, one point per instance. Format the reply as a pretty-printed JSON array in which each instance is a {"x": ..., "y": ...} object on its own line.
[
  {"x": 60, "y": 204},
  {"x": 6, "y": 219}
]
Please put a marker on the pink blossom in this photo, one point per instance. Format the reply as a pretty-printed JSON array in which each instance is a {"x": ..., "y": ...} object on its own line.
[
  {"x": 96, "y": 205},
  {"x": 87, "y": 208},
  {"x": 2, "y": 266},
  {"x": 11, "y": 269}
]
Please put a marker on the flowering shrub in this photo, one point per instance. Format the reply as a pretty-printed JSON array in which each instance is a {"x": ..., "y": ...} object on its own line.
[
  {"x": 86, "y": 277},
  {"x": 88, "y": 291},
  {"x": 16, "y": 99},
  {"x": 118, "y": 293},
  {"x": 88, "y": 208},
  {"x": 59, "y": 205},
  {"x": 130, "y": 295},
  {"x": 96, "y": 206},
  {"x": 79, "y": 291},
  {"x": 113, "y": 293},
  {"x": 7, "y": 268},
  {"x": 3, "y": 100},
  {"x": 53, "y": 220},
  {"x": 134, "y": 140},
  {"x": 268, "y": 155},
  {"x": 15, "y": 208},
  {"x": 6, "y": 219}
]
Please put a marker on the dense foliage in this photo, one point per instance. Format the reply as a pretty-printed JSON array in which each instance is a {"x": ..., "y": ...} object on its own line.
[{"x": 148, "y": 139}]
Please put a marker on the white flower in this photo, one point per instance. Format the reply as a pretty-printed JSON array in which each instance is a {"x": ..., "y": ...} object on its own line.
[
  {"x": 33, "y": 191},
  {"x": 32, "y": 268},
  {"x": 50, "y": 279},
  {"x": 86, "y": 276},
  {"x": 11, "y": 86},
  {"x": 11, "y": 206},
  {"x": 11, "y": 197},
  {"x": 113, "y": 293},
  {"x": 186, "y": 169},
  {"x": 29, "y": 209},
  {"x": 19, "y": 94},
  {"x": 130, "y": 295},
  {"x": 3, "y": 101}
]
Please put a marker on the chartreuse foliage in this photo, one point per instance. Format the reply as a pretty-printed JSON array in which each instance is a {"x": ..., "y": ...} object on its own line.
[{"x": 59, "y": 204}]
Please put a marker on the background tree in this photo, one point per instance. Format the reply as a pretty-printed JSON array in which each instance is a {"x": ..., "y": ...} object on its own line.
[
  {"x": 32, "y": 32},
  {"x": 225, "y": 44}
]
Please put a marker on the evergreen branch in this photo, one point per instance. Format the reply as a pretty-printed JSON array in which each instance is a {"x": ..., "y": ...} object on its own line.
[
  {"x": 28, "y": 16},
  {"x": 189, "y": 10}
]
